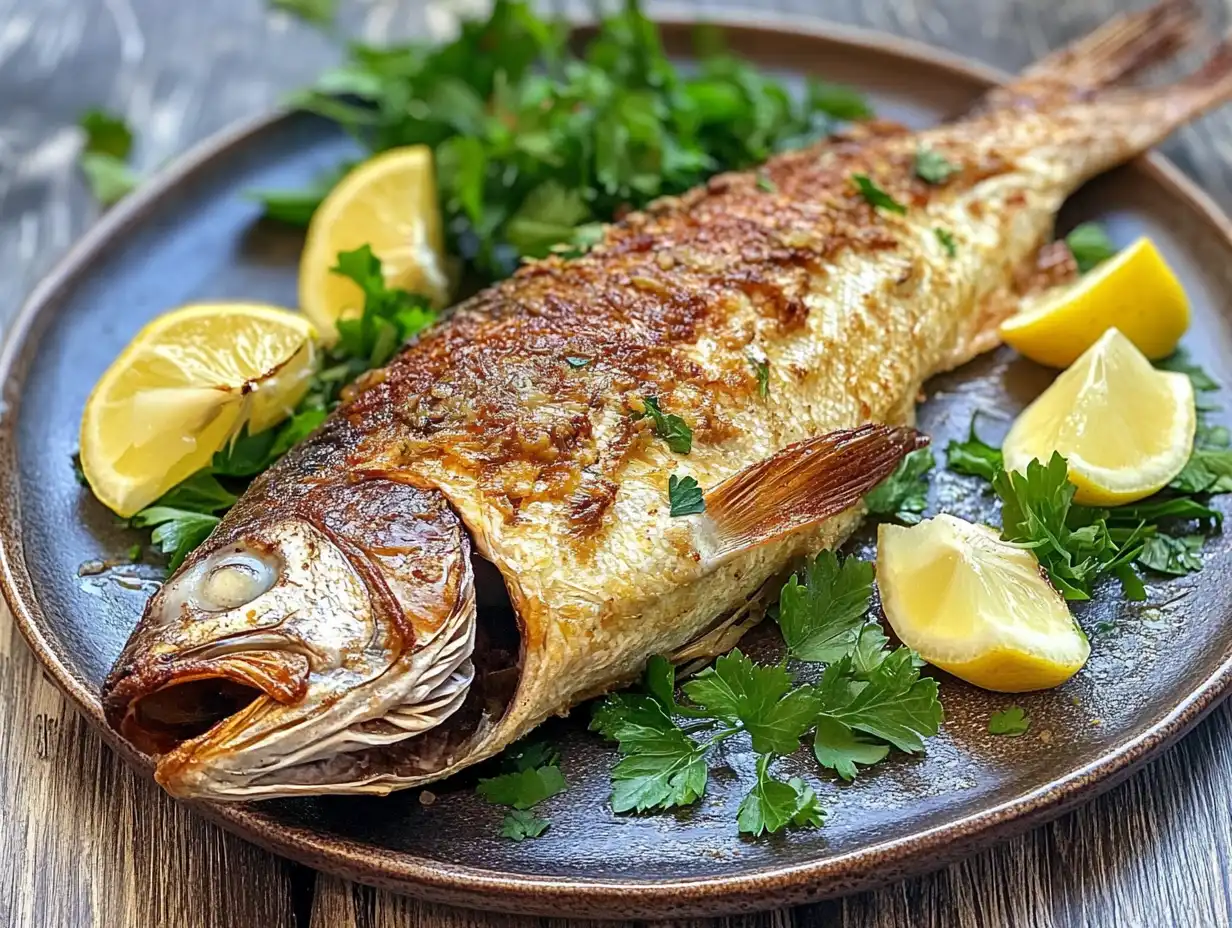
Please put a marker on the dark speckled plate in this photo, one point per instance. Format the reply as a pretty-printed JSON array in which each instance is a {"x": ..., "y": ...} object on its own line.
[{"x": 192, "y": 235}]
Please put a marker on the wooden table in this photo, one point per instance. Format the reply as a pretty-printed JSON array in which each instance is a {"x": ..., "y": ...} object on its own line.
[{"x": 86, "y": 842}]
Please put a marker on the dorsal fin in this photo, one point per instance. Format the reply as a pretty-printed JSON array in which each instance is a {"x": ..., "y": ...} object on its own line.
[{"x": 803, "y": 485}]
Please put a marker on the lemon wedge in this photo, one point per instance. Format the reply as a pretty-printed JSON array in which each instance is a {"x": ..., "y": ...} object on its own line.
[
  {"x": 187, "y": 383},
  {"x": 976, "y": 606},
  {"x": 389, "y": 203},
  {"x": 1125, "y": 428},
  {"x": 1135, "y": 291}
]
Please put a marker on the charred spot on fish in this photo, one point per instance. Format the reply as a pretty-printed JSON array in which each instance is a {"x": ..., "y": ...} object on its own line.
[{"x": 177, "y": 713}]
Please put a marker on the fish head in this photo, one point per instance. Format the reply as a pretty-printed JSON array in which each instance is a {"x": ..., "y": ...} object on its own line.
[{"x": 273, "y": 659}]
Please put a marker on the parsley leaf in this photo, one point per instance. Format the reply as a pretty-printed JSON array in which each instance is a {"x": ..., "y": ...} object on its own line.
[
  {"x": 526, "y": 755},
  {"x": 1090, "y": 245},
  {"x": 838, "y": 101},
  {"x": 766, "y": 185},
  {"x": 1180, "y": 362},
  {"x": 176, "y": 531},
  {"x": 1012, "y": 721},
  {"x": 520, "y": 825},
  {"x": 671, "y": 428},
  {"x": 199, "y": 493},
  {"x": 524, "y": 788},
  {"x": 840, "y": 749},
  {"x": 759, "y": 698},
  {"x": 822, "y": 617},
  {"x": 317, "y": 12},
  {"x": 1175, "y": 556},
  {"x": 932, "y": 167},
  {"x": 904, "y": 494},
  {"x": 875, "y": 196},
  {"x": 685, "y": 496},
  {"x": 973, "y": 457},
  {"x": 761, "y": 368},
  {"x": 104, "y": 156},
  {"x": 390, "y": 316},
  {"x": 1208, "y": 470},
  {"x": 946, "y": 238},
  {"x": 660, "y": 766},
  {"x": 895, "y": 704},
  {"x": 771, "y": 805}
]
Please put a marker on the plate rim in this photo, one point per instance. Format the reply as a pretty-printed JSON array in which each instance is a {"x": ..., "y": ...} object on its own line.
[{"x": 475, "y": 887}]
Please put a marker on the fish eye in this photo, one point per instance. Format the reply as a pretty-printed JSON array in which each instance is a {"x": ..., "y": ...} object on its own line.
[{"x": 236, "y": 579}]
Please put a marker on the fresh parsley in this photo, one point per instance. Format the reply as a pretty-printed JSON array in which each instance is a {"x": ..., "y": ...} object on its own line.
[
  {"x": 904, "y": 494},
  {"x": 946, "y": 238},
  {"x": 772, "y": 804},
  {"x": 685, "y": 496},
  {"x": 316, "y": 12},
  {"x": 1173, "y": 555},
  {"x": 973, "y": 457},
  {"x": 520, "y": 824},
  {"x": 766, "y": 185},
  {"x": 522, "y": 789},
  {"x": 671, "y": 428},
  {"x": 932, "y": 167},
  {"x": 821, "y": 618},
  {"x": 534, "y": 139},
  {"x": 1090, "y": 245},
  {"x": 869, "y": 699},
  {"x": 875, "y": 196},
  {"x": 1012, "y": 721},
  {"x": 104, "y": 156},
  {"x": 176, "y": 532},
  {"x": 390, "y": 316},
  {"x": 761, "y": 370}
]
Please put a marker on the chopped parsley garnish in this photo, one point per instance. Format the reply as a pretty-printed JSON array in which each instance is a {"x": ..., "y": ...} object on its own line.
[
  {"x": 875, "y": 196},
  {"x": 521, "y": 824},
  {"x": 904, "y": 494},
  {"x": 838, "y": 101},
  {"x": 1173, "y": 555},
  {"x": 104, "y": 156},
  {"x": 577, "y": 363},
  {"x": 932, "y": 167},
  {"x": 869, "y": 699},
  {"x": 946, "y": 238},
  {"x": 685, "y": 496},
  {"x": 1012, "y": 721},
  {"x": 390, "y": 316},
  {"x": 761, "y": 369},
  {"x": 766, "y": 185},
  {"x": 1090, "y": 245},
  {"x": 176, "y": 531},
  {"x": 671, "y": 428}
]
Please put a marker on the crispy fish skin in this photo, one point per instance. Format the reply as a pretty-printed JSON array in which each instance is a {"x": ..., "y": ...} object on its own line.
[{"x": 562, "y": 484}]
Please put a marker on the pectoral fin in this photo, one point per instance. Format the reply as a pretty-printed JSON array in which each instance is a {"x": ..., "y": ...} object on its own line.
[{"x": 801, "y": 486}]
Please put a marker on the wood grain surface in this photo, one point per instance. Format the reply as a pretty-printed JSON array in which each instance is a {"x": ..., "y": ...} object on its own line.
[{"x": 86, "y": 842}]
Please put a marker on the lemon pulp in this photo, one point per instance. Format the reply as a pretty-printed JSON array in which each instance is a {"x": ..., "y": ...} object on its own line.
[
  {"x": 976, "y": 606},
  {"x": 1125, "y": 428},
  {"x": 389, "y": 203},
  {"x": 1134, "y": 291},
  {"x": 186, "y": 384}
]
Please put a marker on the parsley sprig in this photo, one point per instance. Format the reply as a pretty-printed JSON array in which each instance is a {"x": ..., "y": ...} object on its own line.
[
  {"x": 869, "y": 699},
  {"x": 186, "y": 514}
]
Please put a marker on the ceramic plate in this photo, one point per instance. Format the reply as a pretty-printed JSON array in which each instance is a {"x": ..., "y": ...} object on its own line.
[{"x": 192, "y": 235}]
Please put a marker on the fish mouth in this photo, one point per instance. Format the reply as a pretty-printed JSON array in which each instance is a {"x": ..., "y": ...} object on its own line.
[{"x": 163, "y": 704}]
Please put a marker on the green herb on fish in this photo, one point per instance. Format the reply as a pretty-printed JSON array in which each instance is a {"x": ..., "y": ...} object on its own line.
[
  {"x": 761, "y": 370},
  {"x": 766, "y": 185},
  {"x": 875, "y": 196},
  {"x": 946, "y": 238},
  {"x": 1012, "y": 721},
  {"x": 577, "y": 363},
  {"x": 932, "y": 167},
  {"x": 685, "y": 496},
  {"x": 671, "y": 428}
]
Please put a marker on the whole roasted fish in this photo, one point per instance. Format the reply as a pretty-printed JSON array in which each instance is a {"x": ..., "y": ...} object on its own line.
[{"x": 480, "y": 537}]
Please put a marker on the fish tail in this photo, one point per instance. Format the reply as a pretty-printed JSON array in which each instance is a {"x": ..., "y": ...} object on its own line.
[{"x": 1124, "y": 47}]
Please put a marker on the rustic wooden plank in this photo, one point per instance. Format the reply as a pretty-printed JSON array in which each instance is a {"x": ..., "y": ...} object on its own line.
[{"x": 83, "y": 841}]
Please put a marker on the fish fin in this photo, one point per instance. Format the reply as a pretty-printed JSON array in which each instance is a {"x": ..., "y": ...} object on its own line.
[
  {"x": 1126, "y": 45},
  {"x": 803, "y": 485}
]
